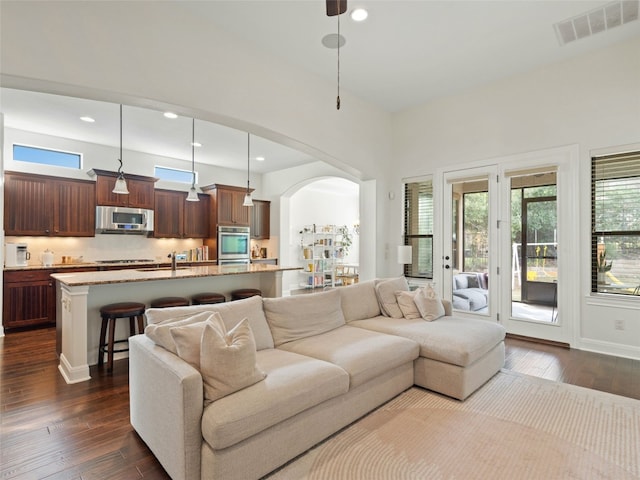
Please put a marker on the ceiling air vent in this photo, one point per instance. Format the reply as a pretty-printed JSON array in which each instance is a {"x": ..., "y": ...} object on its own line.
[{"x": 597, "y": 20}]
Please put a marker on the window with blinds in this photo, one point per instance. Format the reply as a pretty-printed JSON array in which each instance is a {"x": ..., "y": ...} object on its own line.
[
  {"x": 418, "y": 228},
  {"x": 615, "y": 224}
]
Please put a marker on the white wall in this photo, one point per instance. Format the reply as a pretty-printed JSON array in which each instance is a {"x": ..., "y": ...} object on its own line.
[
  {"x": 592, "y": 101},
  {"x": 311, "y": 205},
  {"x": 197, "y": 71}
]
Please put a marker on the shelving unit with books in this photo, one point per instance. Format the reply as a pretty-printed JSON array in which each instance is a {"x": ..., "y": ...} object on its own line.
[{"x": 318, "y": 250}]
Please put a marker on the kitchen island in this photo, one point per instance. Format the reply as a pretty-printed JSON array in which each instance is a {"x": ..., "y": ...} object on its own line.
[{"x": 79, "y": 297}]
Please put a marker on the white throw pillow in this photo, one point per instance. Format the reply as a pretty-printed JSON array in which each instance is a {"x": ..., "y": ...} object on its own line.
[
  {"x": 429, "y": 304},
  {"x": 386, "y": 293},
  {"x": 408, "y": 305},
  {"x": 160, "y": 333},
  {"x": 227, "y": 359}
]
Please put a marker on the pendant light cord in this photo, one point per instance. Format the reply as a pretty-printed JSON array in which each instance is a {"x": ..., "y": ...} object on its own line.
[
  {"x": 193, "y": 152},
  {"x": 248, "y": 156},
  {"x": 120, "y": 159}
]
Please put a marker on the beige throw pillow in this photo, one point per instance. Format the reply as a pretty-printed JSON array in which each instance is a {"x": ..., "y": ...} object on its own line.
[
  {"x": 227, "y": 359},
  {"x": 386, "y": 293},
  {"x": 429, "y": 304},
  {"x": 187, "y": 339},
  {"x": 160, "y": 333},
  {"x": 408, "y": 305},
  {"x": 293, "y": 318}
]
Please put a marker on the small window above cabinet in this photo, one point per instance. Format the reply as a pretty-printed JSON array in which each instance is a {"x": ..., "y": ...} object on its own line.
[
  {"x": 260, "y": 220},
  {"x": 141, "y": 190}
]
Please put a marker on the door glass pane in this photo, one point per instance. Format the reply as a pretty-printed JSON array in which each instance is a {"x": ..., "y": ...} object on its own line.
[
  {"x": 534, "y": 281},
  {"x": 470, "y": 246}
]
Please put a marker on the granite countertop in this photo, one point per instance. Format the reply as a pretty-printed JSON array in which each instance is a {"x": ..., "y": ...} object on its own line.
[
  {"x": 61, "y": 266},
  {"x": 145, "y": 274}
]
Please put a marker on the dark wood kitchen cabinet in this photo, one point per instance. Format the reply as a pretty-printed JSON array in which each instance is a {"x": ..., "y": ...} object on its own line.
[
  {"x": 226, "y": 206},
  {"x": 29, "y": 298},
  {"x": 176, "y": 218},
  {"x": 261, "y": 220},
  {"x": 141, "y": 190},
  {"x": 39, "y": 205}
]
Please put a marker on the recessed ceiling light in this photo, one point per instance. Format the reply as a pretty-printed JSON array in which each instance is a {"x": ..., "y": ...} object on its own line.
[
  {"x": 170, "y": 115},
  {"x": 87, "y": 119},
  {"x": 359, "y": 15},
  {"x": 260, "y": 159}
]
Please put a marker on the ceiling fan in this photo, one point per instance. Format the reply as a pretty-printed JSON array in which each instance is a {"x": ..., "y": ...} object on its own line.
[{"x": 337, "y": 8}]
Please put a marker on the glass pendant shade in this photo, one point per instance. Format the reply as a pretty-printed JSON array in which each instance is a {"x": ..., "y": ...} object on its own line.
[
  {"x": 248, "y": 202},
  {"x": 121, "y": 185},
  {"x": 193, "y": 195}
]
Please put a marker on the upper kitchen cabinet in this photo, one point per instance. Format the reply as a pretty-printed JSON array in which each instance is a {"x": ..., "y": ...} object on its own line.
[
  {"x": 141, "y": 190},
  {"x": 176, "y": 218},
  {"x": 261, "y": 219},
  {"x": 39, "y": 205},
  {"x": 226, "y": 206}
]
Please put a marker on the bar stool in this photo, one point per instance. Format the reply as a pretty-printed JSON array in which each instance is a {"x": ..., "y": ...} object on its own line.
[
  {"x": 207, "y": 298},
  {"x": 110, "y": 313},
  {"x": 241, "y": 293},
  {"x": 165, "y": 302}
]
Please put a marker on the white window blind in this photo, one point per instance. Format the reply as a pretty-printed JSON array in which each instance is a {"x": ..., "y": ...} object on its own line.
[
  {"x": 615, "y": 223},
  {"x": 418, "y": 227}
]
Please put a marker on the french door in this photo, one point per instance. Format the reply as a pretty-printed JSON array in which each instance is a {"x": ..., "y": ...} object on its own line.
[
  {"x": 501, "y": 241},
  {"x": 470, "y": 240}
]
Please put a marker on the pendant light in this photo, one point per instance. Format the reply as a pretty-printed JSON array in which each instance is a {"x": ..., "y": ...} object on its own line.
[
  {"x": 247, "y": 198},
  {"x": 193, "y": 195},
  {"x": 121, "y": 184}
]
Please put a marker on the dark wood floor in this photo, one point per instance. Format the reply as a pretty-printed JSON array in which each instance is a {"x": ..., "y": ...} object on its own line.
[{"x": 57, "y": 431}]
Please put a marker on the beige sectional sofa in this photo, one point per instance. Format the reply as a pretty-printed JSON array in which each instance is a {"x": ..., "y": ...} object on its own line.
[{"x": 329, "y": 358}]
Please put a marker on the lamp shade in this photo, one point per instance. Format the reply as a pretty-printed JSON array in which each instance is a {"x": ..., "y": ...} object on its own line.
[
  {"x": 248, "y": 202},
  {"x": 193, "y": 195},
  {"x": 405, "y": 254},
  {"x": 121, "y": 186}
]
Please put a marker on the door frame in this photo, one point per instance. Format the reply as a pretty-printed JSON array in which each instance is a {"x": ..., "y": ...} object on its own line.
[
  {"x": 565, "y": 160},
  {"x": 486, "y": 172}
]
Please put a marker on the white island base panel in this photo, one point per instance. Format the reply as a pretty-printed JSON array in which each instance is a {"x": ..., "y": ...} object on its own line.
[{"x": 78, "y": 310}]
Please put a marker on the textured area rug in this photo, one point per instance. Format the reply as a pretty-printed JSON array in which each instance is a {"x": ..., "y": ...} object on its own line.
[{"x": 515, "y": 427}]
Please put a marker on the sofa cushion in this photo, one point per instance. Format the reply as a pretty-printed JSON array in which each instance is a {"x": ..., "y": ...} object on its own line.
[
  {"x": 458, "y": 341},
  {"x": 232, "y": 312},
  {"x": 227, "y": 359},
  {"x": 359, "y": 301},
  {"x": 293, "y": 384},
  {"x": 386, "y": 293},
  {"x": 292, "y": 318},
  {"x": 428, "y": 303},
  {"x": 160, "y": 332},
  {"x": 363, "y": 354}
]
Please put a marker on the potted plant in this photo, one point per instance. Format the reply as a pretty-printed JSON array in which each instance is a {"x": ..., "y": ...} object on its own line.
[
  {"x": 346, "y": 242},
  {"x": 603, "y": 266}
]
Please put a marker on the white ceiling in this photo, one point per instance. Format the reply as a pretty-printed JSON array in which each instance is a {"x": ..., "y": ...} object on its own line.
[{"x": 405, "y": 54}]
